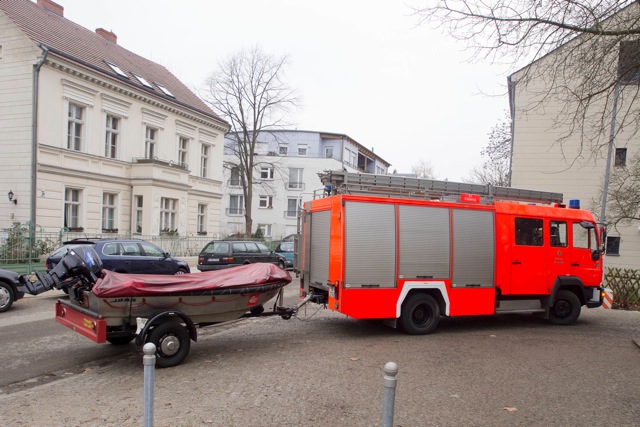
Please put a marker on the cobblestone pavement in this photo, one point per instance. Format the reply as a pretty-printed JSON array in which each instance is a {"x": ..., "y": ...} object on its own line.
[{"x": 328, "y": 371}]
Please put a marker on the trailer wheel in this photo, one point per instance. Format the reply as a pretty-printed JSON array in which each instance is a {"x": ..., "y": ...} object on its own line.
[
  {"x": 124, "y": 340},
  {"x": 6, "y": 297},
  {"x": 172, "y": 343},
  {"x": 420, "y": 314},
  {"x": 566, "y": 308}
]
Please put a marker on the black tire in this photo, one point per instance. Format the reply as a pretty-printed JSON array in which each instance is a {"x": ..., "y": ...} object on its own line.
[
  {"x": 566, "y": 308},
  {"x": 259, "y": 309},
  {"x": 172, "y": 343},
  {"x": 181, "y": 271},
  {"x": 123, "y": 340},
  {"x": 281, "y": 264},
  {"x": 420, "y": 314},
  {"x": 6, "y": 297}
]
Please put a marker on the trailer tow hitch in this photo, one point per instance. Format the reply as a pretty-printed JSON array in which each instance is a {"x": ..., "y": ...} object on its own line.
[{"x": 287, "y": 312}]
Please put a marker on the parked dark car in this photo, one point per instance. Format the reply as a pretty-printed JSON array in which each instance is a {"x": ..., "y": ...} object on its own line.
[
  {"x": 286, "y": 250},
  {"x": 220, "y": 254},
  {"x": 9, "y": 289},
  {"x": 132, "y": 256}
]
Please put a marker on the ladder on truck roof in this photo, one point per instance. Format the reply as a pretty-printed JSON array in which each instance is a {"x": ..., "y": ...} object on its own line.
[{"x": 343, "y": 182}]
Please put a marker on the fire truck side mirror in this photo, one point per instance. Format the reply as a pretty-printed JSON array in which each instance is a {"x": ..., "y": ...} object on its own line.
[{"x": 595, "y": 254}]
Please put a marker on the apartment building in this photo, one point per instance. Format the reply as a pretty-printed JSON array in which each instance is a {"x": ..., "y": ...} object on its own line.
[
  {"x": 286, "y": 175},
  {"x": 96, "y": 138},
  {"x": 577, "y": 165}
]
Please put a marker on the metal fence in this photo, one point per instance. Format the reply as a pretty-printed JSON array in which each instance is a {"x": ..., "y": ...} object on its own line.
[{"x": 24, "y": 251}]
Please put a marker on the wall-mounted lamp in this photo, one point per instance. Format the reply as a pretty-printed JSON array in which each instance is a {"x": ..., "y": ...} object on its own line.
[{"x": 11, "y": 199}]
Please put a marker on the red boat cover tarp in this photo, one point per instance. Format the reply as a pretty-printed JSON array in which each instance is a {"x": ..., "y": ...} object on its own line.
[{"x": 128, "y": 285}]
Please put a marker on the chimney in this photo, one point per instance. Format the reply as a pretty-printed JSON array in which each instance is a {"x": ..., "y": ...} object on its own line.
[
  {"x": 107, "y": 35},
  {"x": 51, "y": 7}
]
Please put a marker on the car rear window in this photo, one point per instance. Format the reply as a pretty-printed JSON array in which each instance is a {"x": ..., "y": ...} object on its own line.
[
  {"x": 63, "y": 250},
  {"x": 263, "y": 248},
  {"x": 216, "y": 248},
  {"x": 239, "y": 248},
  {"x": 286, "y": 247}
]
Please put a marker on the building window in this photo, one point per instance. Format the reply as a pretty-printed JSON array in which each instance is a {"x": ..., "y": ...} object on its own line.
[
  {"x": 328, "y": 152},
  {"x": 109, "y": 213},
  {"x": 295, "y": 179},
  {"x": 265, "y": 202},
  {"x": 621, "y": 157},
  {"x": 283, "y": 150},
  {"x": 204, "y": 160},
  {"x": 235, "y": 180},
  {"x": 528, "y": 232},
  {"x": 628, "y": 67},
  {"x": 111, "y": 137},
  {"x": 150, "y": 140},
  {"x": 236, "y": 205},
  {"x": 168, "y": 214},
  {"x": 72, "y": 208},
  {"x": 266, "y": 229},
  {"x": 183, "y": 147},
  {"x": 613, "y": 245},
  {"x": 138, "y": 214},
  {"x": 201, "y": 220},
  {"x": 75, "y": 126},
  {"x": 292, "y": 208},
  {"x": 302, "y": 150},
  {"x": 266, "y": 172}
]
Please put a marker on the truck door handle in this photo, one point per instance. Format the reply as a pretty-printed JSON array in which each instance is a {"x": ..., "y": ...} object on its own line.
[
  {"x": 516, "y": 262},
  {"x": 575, "y": 264}
]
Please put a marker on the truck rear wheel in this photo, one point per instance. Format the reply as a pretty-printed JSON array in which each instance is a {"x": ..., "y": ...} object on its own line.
[
  {"x": 420, "y": 314},
  {"x": 172, "y": 343},
  {"x": 566, "y": 308}
]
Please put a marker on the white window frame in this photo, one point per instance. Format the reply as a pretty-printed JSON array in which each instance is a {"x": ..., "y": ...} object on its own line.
[
  {"x": 109, "y": 211},
  {"x": 267, "y": 172},
  {"x": 235, "y": 171},
  {"x": 139, "y": 211},
  {"x": 183, "y": 151},
  {"x": 76, "y": 126},
  {"x": 72, "y": 208},
  {"x": 238, "y": 207},
  {"x": 150, "y": 141},
  {"x": 265, "y": 202},
  {"x": 112, "y": 136},
  {"x": 298, "y": 183},
  {"x": 328, "y": 152},
  {"x": 266, "y": 229},
  {"x": 201, "y": 219},
  {"x": 303, "y": 150},
  {"x": 168, "y": 212},
  {"x": 289, "y": 213},
  {"x": 283, "y": 150},
  {"x": 204, "y": 160}
]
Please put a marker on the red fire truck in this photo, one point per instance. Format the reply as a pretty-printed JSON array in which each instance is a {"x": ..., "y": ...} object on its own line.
[{"x": 409, "y": 250}]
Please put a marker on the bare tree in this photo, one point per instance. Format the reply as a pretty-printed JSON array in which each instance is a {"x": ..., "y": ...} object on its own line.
[
  {"x": 623, "y": 204},
  {"x": 423, "y": 169},
  {"x": 495, "y": 169},
  {"x": 248, "y": 90},
  {"x": 595, "y": 44}
]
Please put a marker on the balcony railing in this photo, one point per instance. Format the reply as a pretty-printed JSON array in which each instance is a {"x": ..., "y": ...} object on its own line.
[
  {"x": 292, "y": 185},
  {"x": 234, "y": 211},
  {"x": 158, "y": 161},
  {"x": 290, "y": 214},
  {"x": 235, "y": 182}
]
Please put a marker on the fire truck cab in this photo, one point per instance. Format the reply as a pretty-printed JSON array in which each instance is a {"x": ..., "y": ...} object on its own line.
[{"x": 409, "y": 251}]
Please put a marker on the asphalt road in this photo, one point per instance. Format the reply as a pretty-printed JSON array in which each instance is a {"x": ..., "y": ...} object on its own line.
[{"x": 323, "y": 369}]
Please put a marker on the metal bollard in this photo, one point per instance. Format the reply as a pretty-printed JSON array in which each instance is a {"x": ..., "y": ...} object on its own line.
[
  {"x": 149, "y": 362},
  {"x": 390, "y": 382}
]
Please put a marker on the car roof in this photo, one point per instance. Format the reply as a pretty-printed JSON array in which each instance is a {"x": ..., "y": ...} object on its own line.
[{"x": 93, "y": 241}]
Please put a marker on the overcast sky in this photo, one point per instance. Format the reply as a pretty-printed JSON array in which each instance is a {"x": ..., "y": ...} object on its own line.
[{"x": 362, "y": 68}]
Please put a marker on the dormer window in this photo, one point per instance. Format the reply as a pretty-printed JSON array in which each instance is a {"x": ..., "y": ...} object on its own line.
[
  {"x": 143, "y": 81},
  {"x": 117, "y": 70},
  {"x": 164, "y": 90}
]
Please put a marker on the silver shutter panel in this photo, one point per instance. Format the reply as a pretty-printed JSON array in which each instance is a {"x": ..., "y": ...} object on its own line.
[
  {"x": 319, "y": 247},
  {"x": 473, "y": 248},
  {"x": 424, "y": 242},
  {"x": 370, "y": 247}
]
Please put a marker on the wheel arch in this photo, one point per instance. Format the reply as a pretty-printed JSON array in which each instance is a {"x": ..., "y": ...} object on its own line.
[
  {"x": 569, "y": 283},
  {"x": 437, "y": 289}
]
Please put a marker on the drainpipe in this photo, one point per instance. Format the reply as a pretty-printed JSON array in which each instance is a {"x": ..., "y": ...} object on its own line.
[
  {"x": 512, "y": 111},
  {"x": 34, "y": 142}
]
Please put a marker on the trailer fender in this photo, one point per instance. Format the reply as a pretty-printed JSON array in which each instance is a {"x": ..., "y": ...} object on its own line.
[
  {"x": 419, "y": 286},
  {"x": 161, "y": 316}
]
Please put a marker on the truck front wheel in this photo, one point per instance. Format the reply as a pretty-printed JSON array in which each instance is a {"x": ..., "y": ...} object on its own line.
[
  {"x": 566, "y": 308},
  {"x": 172, "y": 343},
  {"x": 420, "y": 314}
]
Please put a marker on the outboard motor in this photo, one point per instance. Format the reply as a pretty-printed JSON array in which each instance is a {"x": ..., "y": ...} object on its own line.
[{"x": 81, "y": 263}]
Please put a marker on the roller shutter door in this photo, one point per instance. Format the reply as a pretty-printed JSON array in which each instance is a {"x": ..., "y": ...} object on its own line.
[
  {"x": 319, "y": 247},
  {"x": 473, "y": 248}
]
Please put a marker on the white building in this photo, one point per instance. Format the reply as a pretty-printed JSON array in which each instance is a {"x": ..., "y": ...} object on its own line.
[
  {"x": 286, "y": 175},
  {"x": 577, "y": 171},
  {"x": 97, "y": 139}
]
